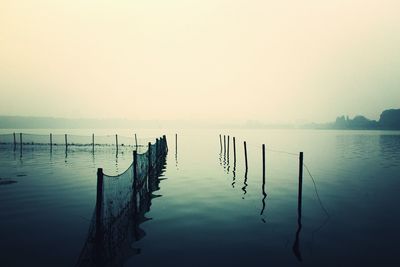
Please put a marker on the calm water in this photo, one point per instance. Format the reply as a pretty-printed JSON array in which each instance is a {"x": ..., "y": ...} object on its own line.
[{"x": 210, "y": 212}]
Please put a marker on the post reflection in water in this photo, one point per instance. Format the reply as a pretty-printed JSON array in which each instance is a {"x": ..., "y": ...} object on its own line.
[{"x": 263, "y": 184}]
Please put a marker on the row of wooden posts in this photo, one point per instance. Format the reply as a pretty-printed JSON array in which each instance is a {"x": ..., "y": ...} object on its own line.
[
  {"x": 225, "y": 147},
  {"x": 66, "y": 141}
]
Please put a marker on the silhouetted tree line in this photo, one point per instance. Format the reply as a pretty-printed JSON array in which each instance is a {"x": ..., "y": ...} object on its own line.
[{"x": 389, "y": 120}]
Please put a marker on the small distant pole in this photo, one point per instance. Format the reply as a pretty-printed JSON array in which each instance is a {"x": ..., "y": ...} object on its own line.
[
  {"x": 176, "y": 145},
  {"x": 51, "y": 141},
  {"x": 224, "y": 144},
  {"x": 116, "y": 142},
  {"x": 136, "y": 142},
  {"x": 66, "y": 142},
  {"x": 99, "y": 203},
  {"x": 234, "y": 149},
  {"x": 220, "y": 142},
  {"x": 245, "y": 154},
  {"x": 93, "y": 143},
  {"x": 299, "y": 202}
]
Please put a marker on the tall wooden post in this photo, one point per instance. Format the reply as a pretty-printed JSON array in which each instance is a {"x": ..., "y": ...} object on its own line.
[
  {"x": 51, "y": 142},
  {"x": 245, "y": 154},
  {"x": 220, "y": 142},
  {"x": 66, "y": 142},
  {"x": 99, "y": 204}
]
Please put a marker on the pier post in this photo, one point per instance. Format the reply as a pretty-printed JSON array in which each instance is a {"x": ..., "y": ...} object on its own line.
[
  {"x": 51, "y": 142},
  {"x": 220, "y": 142},
  {"x": 228, "y": 148},
  {"x": 66, "y": 142},
  {"x": 93, "y": 143}
]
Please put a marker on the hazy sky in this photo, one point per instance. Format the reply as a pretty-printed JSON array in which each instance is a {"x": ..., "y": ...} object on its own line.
[{"x": 273, "y": 61}]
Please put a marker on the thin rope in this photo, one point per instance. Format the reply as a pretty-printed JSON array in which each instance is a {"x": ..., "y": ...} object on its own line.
[{"x": 316, "y": 191}]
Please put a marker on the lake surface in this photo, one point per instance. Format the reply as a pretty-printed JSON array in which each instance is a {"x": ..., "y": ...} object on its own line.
[{"x": 210, "y": 212}]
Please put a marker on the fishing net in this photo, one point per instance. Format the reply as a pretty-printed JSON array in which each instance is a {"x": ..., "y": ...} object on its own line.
[{"x": 120, "y": 209}]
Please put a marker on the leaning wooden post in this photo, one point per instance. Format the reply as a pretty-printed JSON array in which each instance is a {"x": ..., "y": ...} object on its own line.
[
  {"x": 99, "y": 204},
  {"x": 300, "y": 194},
  {"x": 234, "y": 150},
  {"x": 116, "y": 142},
  {"x": 66, "y": 142},
  {"x": 220, "y": 142},
  {"x": 51, "y": 142},
  {"x": 93, "y": 143},
  {"x": 245, "y": 154}
]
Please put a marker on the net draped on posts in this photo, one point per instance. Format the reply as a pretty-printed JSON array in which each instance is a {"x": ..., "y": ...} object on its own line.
[{"x": 121, "y": 206}]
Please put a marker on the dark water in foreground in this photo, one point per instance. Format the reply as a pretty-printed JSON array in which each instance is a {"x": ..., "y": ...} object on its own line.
[{"x": 210, "y": 212}]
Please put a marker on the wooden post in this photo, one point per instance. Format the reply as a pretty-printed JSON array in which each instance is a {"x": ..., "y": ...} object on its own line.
[
  {"x": 245, "y": 154},
  {"x": 176, "y": 143},
  {"x": 234, "y": 150},
  {"x": 220, "y": 142},
  {"x": 20, "y": 144},
  {"x": 263, "y": 159},
  {"x": 300, "y": 194},
  {"x": 149, "y": 145},
  {"x": 51, "y": 141},
  {"x": 66, "y": 142},
  {"x": 15, "y": 141},
  {"x": 228, "y": 147},
  {"x": 134, "y": 168},
  {"x": 93, "y": 143},
  {"x": 224, "y": 145},
  {"x": 116, "y": 142},
  {"x": 99, "y": 204},
  {"x": 165, "y": 146},
  {"x": 136, "y": 142}
]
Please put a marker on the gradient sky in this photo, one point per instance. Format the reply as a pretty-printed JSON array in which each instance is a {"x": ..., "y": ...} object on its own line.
[{"x": 273, "y": 61}]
